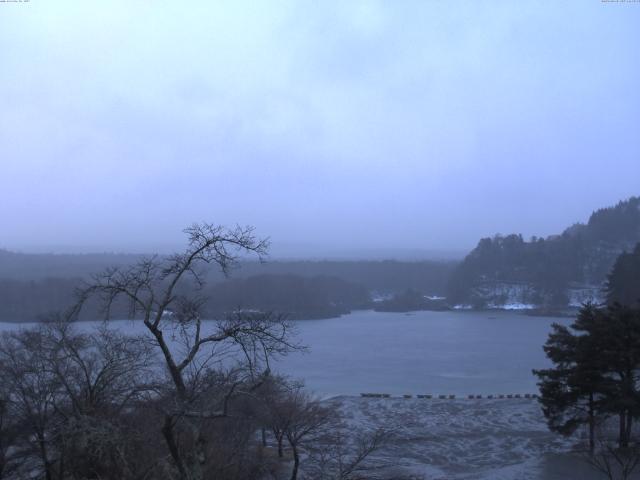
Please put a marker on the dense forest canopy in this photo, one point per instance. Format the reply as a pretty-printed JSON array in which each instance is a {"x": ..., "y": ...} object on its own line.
[
  {"x": 623, "y": 283},
  {"x": 300, "y": 297},
  {"x": 542, "y": 270}
]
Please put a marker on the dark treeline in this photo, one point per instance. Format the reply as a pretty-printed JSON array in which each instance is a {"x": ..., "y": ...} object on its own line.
[
  {"x": 298, "y": 297},
  {"x": 28, "y": 301},
  {"x": 32, "y": 286},
  {"x": 546, "y": 268},
  {"x": 184, "y": 400},
  {"x": 375, "y": 275},
  {"x": 623, "y": 283},
  {"x": 389, "y": 276},
  {"x": 410, "y": 300}
]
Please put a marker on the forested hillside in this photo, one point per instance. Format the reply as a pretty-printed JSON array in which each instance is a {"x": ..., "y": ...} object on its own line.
[
  {"x": 35, "y": 285},
  {"x": 553, "y": 271},
  {"x": 377, "y": 275},
  {"x": 298, "y": 297}
]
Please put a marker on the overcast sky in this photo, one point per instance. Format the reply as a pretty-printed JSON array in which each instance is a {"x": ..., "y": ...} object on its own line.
[{"x": 330, "y": 126}]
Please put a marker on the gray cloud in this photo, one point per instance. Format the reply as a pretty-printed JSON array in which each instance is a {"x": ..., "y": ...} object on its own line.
[{"x": 417, "y": 125}]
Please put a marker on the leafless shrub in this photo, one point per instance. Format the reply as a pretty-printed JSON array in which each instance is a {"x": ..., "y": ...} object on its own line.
[
  {"x": 335, "y": 456},
  {"x": 611, "y": 460}
]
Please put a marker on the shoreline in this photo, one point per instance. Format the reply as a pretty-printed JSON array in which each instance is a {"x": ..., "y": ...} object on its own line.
[
  {"x": 565, "y": 313},
  {"x": 463, "y": 439}
]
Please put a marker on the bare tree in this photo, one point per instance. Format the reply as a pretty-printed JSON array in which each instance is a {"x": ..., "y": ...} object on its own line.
[
  {"x": 335, "y": 456},
  {"x": 291, "y": 414},
  {"x": 315, "y": 434},
  {"x": 101, "y": 372},
  {"x": 70, "y": 395},
  {"x": 9, "y": 432},
  {"x": 167, "y": 295},
  {"x": 613, "y": 461},
  {"x": 306, "y": 417},
  {"x": 103, "y": 376},
  {"x": 32, "y": 397},
  {"x": 273, "y": 415}
]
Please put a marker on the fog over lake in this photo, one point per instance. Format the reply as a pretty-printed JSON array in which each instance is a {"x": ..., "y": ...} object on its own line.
[{"x": 459, "y": 353}]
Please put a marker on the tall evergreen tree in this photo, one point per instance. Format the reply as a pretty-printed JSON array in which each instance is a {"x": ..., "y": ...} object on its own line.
[
  {"x": 623, "y": 284},
  {"x": 570, "y": 390},
  {"x": 595, "y": 373},
  {"x": 618, "y": 337}
]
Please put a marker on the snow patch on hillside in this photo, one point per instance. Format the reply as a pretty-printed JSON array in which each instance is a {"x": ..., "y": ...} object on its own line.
[{"x": 580, "y": 295}]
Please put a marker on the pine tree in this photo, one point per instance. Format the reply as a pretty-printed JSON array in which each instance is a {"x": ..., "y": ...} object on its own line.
[
  {"x": 623, "y": 285},
  {"x": 595, "y": 373},
  {"x": 571, "y": 390},
  {"x": 618, "y": 337}
]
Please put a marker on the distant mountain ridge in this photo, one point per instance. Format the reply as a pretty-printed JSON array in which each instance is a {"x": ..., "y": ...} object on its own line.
[{"x": 557, "y": 271}]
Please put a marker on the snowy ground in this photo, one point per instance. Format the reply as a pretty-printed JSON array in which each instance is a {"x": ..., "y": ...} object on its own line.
[{"x": 503, "y": 439}]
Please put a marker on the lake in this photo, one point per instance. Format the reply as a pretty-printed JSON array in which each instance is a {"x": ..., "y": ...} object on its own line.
[
  {"x": 458, "y": 352},
  {"x": 455, "y": 352},
  {"x": 422, "y": 352}
]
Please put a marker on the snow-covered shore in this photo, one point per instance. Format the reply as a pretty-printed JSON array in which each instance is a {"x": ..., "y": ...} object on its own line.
[{"x": 466, "y": 439}]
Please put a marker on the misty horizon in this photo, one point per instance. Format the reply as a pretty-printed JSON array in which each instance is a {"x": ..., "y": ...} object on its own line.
[{"x": 290, "y": 251}]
